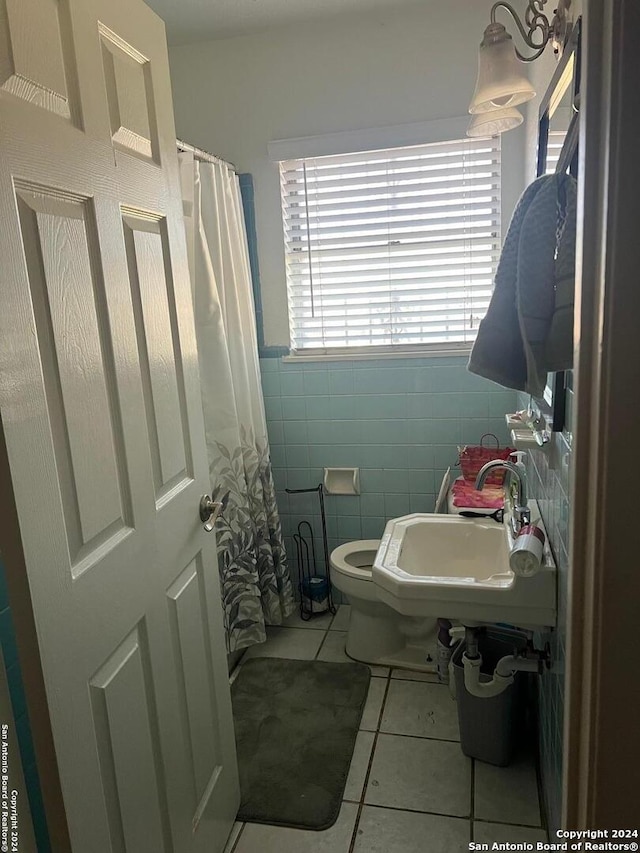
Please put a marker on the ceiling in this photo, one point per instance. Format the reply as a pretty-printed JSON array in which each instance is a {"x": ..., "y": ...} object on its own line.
[{"x": 201, "y": 20}]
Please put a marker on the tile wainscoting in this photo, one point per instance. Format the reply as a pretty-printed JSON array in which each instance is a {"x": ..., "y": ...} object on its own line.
[
  {"x": 9, "y": 647},
  {"x": 549, "y": 482},
  {"x": 399, "y": 420}
]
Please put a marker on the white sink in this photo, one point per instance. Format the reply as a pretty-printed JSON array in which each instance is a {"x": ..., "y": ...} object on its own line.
[{"x": 458, "y": 568}]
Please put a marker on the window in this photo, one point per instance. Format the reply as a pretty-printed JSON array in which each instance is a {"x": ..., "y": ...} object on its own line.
[
  {"x": 391, "y": 249},
  {"x": 555, "y": 141}
]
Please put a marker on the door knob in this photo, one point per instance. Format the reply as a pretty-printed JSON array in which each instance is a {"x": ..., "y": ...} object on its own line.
[{"x": 209, "y": 512}]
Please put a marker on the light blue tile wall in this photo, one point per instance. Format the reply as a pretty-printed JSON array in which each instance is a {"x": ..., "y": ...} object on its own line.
[
  {"x": 399, "y": 420},
  {"x": 21, "y": 718},
  {"x": 549, "y": 474}
]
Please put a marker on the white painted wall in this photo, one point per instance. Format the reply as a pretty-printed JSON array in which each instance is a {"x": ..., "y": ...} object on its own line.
[{"x": 233, "y": 96}]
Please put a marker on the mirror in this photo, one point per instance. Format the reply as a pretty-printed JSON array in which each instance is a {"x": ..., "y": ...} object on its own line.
[
  {"x": 557, "y": 117},
  {"x": 558, "y": 151}
]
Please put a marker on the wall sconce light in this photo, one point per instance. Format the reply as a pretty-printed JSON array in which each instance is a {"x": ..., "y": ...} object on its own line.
[
  {"x": 502, "y": 84},
  {"x": 494, "y": 122}
]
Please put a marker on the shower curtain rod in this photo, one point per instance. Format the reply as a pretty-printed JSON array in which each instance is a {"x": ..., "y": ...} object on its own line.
[{"x": 199, "y": 154}]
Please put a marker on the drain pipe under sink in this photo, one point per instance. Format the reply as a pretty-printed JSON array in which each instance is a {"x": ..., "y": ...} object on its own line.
[
  {"x": 506, "y": 668},
  {"x": 531, "y": 660},
  {"x": 503, "y": 675}
]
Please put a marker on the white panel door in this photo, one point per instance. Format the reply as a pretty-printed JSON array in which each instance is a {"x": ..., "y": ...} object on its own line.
[{"x": 100, "y": 405}]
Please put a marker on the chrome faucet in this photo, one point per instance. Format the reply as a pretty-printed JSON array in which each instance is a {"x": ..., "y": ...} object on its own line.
[{"x": 521, "y": 515}]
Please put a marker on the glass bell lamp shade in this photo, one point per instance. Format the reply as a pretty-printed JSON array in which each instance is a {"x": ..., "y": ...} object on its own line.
[
  {"x": 501, "y": 82},
  {"x": 495, "y": 122}
]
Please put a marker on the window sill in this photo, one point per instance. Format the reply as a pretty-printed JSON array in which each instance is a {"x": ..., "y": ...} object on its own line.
[{"x": 376, "y": 354}]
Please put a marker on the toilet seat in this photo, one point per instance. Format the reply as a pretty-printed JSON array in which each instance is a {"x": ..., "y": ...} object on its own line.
[
  {"x": 377, "y": 634},
  {"x": 355, "y": 559}
]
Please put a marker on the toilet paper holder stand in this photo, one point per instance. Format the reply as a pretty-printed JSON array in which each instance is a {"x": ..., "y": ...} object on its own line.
[{"x": 314, "y": 580}]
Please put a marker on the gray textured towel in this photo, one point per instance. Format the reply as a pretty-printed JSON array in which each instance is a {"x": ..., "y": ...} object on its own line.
[{"x": 529, "y": 325}]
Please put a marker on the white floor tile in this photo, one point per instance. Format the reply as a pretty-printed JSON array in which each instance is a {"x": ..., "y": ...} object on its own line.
[
  {"x": 420, "y": 774},
  {"x": 233, "y": 837},
  {"x": 379, "y": 671},
  {"x": 359, "y": 766},
  {"x": 236, "y": 671},
  {"x": 341, "y": 619},
  {"x": 507, "y": 794},
  {"x": 332, "y": 648},
  {"x": 373, "y": 706},
  {"x": 500, "y": 832},
  {"x": 263, "y": 838},
  {"x": 423, "y": 710},
  {"x": 296, "y": 643},
  {"x": 390, "y": 831},
  {"x": 320, "y": 623},
  {"x": 414, "y": 675}
]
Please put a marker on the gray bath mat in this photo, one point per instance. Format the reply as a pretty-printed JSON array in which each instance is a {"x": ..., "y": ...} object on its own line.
[{"x": 296, "y": 725}]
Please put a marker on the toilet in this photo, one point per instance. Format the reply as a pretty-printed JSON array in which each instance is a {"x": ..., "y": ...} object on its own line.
[{"x": 378, "y": 634}]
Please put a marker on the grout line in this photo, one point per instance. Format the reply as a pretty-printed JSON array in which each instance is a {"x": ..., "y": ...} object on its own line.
[
  {"x": 333, "y": 618},
  {"x": 315, "y": 657},
  {"x": 473, "y": 788},
  {"x": 354, "y": 834},
  {"x": 382, "y": 706},
  {"x": 418, "y": 680},
  {"x": 368, "y": 773},
  {"x": 235, "y": 843},
  {"x": 473, "y": 796},
  {"x": 235, "y": 672},
  {"x": 324, "y": 640},
  {"x": 506, "y": 823},
  {"x": 418, "y": 737},
  {"x": 417, "y": 811},
  {"x": 443, "y": 814},
  {"x": 542, "y": 805}
]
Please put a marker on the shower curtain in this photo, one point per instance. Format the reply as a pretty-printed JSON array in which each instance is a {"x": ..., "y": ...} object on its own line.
[{"x": 256, "y": 588}]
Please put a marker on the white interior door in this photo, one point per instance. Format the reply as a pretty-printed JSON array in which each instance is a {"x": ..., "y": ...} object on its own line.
[{"x": 101, "y": 411}]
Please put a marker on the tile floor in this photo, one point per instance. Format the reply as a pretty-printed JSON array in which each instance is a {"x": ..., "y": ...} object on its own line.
[{"x": 410, "y": 789}]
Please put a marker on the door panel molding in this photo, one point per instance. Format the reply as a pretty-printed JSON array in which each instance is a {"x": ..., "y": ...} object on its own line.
[
  {"x": 187, "y": 602},
  {"x": 41, "y": 70},
  {"x": 60, "y": 244},
  {"x": 131, "y": 765}
]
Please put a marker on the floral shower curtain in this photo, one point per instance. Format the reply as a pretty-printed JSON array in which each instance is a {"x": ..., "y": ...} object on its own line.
[{"x": 256, "y": 588}]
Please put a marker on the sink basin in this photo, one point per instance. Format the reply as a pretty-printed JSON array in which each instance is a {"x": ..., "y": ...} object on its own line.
[{"x": 458, "y": 568}]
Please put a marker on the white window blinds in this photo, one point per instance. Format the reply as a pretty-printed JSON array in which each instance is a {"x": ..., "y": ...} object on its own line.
[
  {"x": 555, "y": 141},
  {"x": 393, "y": 248}
]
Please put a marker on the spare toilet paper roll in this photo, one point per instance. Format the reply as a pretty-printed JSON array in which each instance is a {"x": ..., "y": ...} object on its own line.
[
  {"x": 526, "y": 555},
  {"x": 315, "y": 594}
]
